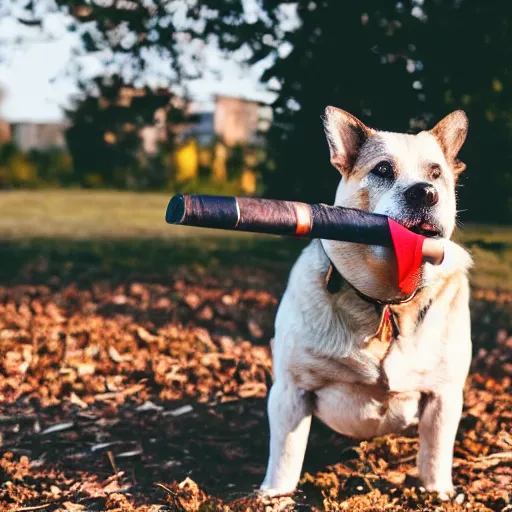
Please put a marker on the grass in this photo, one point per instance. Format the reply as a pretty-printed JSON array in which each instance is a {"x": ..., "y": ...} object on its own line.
[
  {"x": 88, "y": 214},
  {"x": 126, "y": 231}
]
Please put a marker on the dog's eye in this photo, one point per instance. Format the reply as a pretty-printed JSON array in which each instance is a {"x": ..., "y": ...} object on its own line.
[
  {"x": 435, "y": 172},
  {"x": 383, "y": 169}
]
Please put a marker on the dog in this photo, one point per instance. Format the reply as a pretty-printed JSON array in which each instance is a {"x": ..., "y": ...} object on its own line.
[{"x": 330, "y": 358}]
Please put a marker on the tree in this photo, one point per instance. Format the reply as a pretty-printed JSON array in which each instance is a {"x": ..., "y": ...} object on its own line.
[
  {"x": 396, "y": 65},
  {"x": 468, "y": 65},
  {"x": 348, "y": 54},
  {"x": 105, "y": 134},
  {"x": 395, "y": 68},
  {"x": 337, "y": 58}
]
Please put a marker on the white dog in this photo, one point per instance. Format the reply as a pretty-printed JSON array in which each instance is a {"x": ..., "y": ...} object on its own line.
[{"x": 330, "y": 355}]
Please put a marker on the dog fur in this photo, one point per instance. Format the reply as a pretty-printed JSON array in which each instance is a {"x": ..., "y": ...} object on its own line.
[{"x": 326, "y": 360}]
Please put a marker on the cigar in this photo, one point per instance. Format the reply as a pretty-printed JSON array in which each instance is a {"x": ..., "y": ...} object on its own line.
[
  {"x": 433, "y": 251},
  {"x": 293, "y": 218}
]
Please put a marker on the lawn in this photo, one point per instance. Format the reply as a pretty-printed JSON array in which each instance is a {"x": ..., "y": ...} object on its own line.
[
  {"x": 89, "y": 215},
  {"x": 121, "y": 230}
]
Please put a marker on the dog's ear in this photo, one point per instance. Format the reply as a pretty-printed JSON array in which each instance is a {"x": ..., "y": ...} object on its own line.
[
  {"x": 345, "y": 134},
  {"x": 451, "y": 133}
]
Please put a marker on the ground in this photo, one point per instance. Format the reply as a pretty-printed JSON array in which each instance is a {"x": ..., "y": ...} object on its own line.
[{"x": 134, "y": 365}]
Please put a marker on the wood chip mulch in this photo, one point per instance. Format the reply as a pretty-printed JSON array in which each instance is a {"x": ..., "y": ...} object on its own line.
[{"x": 146, "y": 396}]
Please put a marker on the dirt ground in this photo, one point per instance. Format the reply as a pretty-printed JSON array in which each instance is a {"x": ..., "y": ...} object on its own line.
[{"x": 147, "y": 393}]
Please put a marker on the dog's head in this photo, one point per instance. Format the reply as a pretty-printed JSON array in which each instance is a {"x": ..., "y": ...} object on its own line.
[{"x": 410, "y": 178}]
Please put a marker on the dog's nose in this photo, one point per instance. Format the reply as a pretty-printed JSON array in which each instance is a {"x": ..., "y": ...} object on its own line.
[{"x": 422, "y": 194}]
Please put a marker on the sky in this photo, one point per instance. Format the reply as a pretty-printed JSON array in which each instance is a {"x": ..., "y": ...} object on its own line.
[{"x": 33, "y": 78}]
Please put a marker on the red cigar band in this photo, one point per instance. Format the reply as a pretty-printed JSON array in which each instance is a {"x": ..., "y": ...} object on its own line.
[{"x": 409, "y": 256}]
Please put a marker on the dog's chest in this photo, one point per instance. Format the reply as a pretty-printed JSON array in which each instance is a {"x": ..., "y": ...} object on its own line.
[{"x": 408, "y": 357}]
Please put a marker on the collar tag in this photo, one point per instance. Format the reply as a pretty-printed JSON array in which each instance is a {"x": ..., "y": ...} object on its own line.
[
  {"x": 379, "y": 343},
  {"x": 333, "y": 280}
]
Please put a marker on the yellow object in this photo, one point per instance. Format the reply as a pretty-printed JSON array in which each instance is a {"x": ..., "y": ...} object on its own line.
[
  {"x": 219, "y": 170},
  {"x": 110, "y": 138},
  {"x": 187, "y": 162},
  {"x": 22, "y": 169},
  {"x": 497, "y": 86},
  {"x": 248, "y": 182},
  {"x": 205, "y": 157},
  {"x": 93, "y": 180}
]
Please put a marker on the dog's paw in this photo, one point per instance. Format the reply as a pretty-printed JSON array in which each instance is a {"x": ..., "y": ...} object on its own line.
[
  {"x": 274, "y": 492},
  {"x": 444, "y": 493},
  {"x": 277, "y": 504}
]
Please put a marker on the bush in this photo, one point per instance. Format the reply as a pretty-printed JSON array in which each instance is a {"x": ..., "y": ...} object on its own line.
[
  {"x": 16, "y": 168},
  {"x": 216, "y": 169},
  {"x": 54, "y": 167},
  {"x": 35, "y": 168}
]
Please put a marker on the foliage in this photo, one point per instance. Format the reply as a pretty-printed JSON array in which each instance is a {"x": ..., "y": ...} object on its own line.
[
  {"x": 187, "y": 162},
  {"x": 105, "y": 136},
  {"x": 34, "y": 169},
  {"x": 396, "y": 65},
  {"x": 383, "y": 64},
  {"x": 236, "y": 161},
  {"x": 54, "y": 167}
]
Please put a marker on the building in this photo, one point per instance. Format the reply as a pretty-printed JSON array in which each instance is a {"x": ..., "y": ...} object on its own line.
[
  {"x": 39, "y": 136},
  {"x": 240, "y": 121},
  {"x": 153, "y": 135},
  {"x": 5, "y": 132},
  {"x": 5, "y": 127},
  {"x": 201, "y": 129},
  {"x": 234, "y": 121},
  {"x": 32, "y": 135}
]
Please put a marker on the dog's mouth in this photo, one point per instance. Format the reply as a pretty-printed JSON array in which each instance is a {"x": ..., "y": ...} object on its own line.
[{"x": 425, "y": 229}]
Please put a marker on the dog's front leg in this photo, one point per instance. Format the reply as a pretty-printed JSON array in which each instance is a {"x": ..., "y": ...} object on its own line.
[
  {"x": 438, "y": 428},
  {"x": 289, "y": 411}
]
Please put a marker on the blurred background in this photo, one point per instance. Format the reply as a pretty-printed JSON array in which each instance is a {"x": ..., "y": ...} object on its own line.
[
  {"x": 226, "y": 96},
  {"x": 133, "y": 352},
  {"x": 103, "y": 100}
]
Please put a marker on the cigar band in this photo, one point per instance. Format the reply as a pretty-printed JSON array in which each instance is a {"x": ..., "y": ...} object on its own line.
[
  {"x": 237, "y": 214},
  {"x": 303, "y": 213}
]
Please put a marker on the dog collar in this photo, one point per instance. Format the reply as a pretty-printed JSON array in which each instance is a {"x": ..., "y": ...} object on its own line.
[
  {"x": 334, "y": 282},
  {"x": 387, "y": 329}
]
